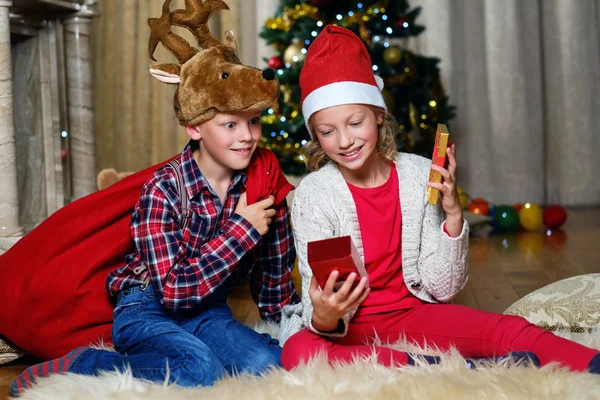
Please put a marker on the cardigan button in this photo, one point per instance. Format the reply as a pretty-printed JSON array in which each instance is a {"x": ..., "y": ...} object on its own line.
[{"x": 416, "y": 285}]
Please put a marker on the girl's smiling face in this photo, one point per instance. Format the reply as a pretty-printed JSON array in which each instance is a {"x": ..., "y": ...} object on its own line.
[{"x": 348, "y": 135}]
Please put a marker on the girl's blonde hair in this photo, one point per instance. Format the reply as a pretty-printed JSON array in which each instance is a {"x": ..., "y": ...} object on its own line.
[{"x": 315, "y": 157}]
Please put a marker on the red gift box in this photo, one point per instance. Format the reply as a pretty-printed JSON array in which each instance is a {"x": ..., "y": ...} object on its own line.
[{"x": 328, "y": 255}]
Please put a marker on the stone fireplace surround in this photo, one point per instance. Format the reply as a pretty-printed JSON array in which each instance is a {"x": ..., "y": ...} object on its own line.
[{"x": 46, "y": 112}]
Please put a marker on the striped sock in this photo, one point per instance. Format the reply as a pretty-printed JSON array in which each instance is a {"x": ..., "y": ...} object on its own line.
[
  {"x": 594, "y": 366},
  {"x": 524, "y": 358},
  {"x": 427, "y": 359},
  {"x": 30, "y": 376}
]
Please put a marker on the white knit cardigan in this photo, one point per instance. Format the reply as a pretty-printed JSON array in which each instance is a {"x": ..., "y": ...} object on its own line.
[{"x": 435, "y": 266}]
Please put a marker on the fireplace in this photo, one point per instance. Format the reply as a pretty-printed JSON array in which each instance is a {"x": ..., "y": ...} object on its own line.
[{"x": 47, "y": 149}]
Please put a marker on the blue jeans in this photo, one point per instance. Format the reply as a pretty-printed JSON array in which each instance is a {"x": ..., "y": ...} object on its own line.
[{"x": 197, "y": 347}]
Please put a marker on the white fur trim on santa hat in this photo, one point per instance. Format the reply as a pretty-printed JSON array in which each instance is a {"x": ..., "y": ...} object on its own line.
[
  {"x": 338, "y": 93},
  {"x": 379, "y": 81}
]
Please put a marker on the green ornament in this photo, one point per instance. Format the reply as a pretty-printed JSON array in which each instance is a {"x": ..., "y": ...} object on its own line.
[{"x": 506, "y": 218}]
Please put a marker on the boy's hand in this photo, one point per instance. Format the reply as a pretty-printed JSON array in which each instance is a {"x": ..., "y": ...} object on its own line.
[
  {"x": 258, "y": 214},
  {"x": 450, "y": 200},
  {"x": 329, "y": 306}
]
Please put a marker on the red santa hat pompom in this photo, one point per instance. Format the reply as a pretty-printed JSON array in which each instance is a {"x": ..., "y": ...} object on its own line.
[{"x": 338, "y": 71}]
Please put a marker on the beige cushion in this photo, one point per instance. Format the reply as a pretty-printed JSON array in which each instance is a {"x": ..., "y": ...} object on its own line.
[
  {"x": 8, "y": 352},
  {"x": 572, "y": 305}
]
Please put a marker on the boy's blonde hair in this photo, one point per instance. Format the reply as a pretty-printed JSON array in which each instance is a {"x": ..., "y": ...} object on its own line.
[{"x": 315, "y": 157}]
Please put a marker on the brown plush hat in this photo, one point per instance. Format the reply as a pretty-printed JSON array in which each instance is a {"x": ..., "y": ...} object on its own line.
[{"x": 211, "y": 79}]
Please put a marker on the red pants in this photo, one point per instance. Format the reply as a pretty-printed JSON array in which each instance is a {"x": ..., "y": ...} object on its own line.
[{"x": 472, "y": 332}]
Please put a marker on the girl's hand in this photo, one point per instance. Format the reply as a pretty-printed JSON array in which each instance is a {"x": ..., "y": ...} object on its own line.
[
  {"x": 450, "y": 200},
  {"x": 329, "y": 306}
]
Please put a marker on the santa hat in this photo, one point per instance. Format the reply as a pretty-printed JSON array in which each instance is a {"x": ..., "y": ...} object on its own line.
[{"x": 338, "y": 71}]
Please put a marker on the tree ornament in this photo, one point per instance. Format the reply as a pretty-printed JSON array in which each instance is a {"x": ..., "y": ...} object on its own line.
[
  {"x": 491, "y": 215},
  {"x": 277, "y": 23},
  {"x": 293, "y": 54},
  {"x": 479, "y": 206},
  {"x": 530, "y": 217},
  {"x": 392, "y": 55},
  {"x": 554, "y": 216},
  {"x": 507, "y": 219},
  {"x": 400, "y": 21},
  {"x": 275, "y": 62}
]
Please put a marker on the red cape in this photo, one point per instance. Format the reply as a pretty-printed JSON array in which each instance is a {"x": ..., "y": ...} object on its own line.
[{"x": 53, "y": 292}]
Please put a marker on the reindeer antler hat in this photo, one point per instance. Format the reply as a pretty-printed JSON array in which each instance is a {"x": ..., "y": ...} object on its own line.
[{"x": 211, "y": 79}]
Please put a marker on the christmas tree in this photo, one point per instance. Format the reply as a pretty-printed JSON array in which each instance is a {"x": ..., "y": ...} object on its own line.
[{"x": 413, "y": 92}]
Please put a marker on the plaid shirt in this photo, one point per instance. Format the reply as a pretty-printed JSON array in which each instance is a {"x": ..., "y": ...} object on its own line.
[{"x": 186, "y": 267}]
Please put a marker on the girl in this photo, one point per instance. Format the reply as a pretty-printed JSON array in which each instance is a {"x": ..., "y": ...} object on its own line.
[{"x": 415, "y": 253}]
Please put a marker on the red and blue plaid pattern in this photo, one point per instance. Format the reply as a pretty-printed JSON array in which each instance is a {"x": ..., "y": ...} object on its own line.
[{"x": 186, "y": 267}]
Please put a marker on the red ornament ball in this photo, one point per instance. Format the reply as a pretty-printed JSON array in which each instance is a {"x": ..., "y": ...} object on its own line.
[
  {"x": 275, "y": 62},
  {"x": 400, "y": 21},
  {"x": 479, "y": 206},
  {"x": 554, "y": 216}
]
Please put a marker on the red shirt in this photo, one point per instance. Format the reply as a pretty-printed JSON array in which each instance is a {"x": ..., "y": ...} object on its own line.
[{"x": 380, "y": 221}]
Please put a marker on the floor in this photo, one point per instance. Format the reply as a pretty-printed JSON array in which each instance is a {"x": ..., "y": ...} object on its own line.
[{"x": 503, "y": 268}]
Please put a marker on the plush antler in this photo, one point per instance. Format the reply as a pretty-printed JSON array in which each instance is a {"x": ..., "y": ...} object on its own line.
[
  {"x": 210, "y": 79},
  {"x": 195, "y": 18},
  {"x": 160, "y": 31}
]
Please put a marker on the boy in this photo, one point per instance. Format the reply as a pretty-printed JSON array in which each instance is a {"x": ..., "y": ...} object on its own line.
[{"x": 196, "y": 229}]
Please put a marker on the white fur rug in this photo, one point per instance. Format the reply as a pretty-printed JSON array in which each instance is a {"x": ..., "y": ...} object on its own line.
[{"x": 363, "y": 379}]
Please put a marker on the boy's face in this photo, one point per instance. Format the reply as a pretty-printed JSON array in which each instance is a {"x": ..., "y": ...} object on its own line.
[{"x": 229, "y": 139}]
